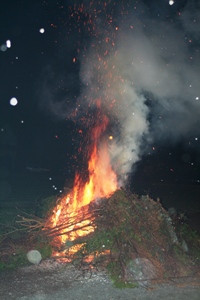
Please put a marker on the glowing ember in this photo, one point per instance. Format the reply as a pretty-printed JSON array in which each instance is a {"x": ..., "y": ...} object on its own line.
[{"x": 71, "y": 218}]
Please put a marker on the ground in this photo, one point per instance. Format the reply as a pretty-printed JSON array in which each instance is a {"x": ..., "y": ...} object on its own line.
[{"x": 52, "y": 280}]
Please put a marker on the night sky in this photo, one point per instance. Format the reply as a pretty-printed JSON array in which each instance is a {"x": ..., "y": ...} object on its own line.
[{"x": 49, "y": 54}]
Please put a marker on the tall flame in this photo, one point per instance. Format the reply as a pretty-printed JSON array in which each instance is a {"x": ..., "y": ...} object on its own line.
[{"x": 102, "y": 182}]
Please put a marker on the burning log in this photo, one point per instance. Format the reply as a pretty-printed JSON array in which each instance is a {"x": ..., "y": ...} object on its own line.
[{"x": 72, "y": 217}]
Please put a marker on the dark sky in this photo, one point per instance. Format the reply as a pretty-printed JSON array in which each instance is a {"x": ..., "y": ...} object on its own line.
[
  {"x": 41, "y": 139},
  {"x": 154, "y": 48}
]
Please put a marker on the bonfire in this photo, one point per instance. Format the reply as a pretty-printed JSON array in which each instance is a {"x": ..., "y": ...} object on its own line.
[
  {"x": 98, "y": 223},
  {"x": 72, "y": 217}
]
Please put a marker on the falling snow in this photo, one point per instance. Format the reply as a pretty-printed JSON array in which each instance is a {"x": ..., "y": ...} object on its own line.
[
  {"x": 3, "y": 47},
  {"x": 122, "y": 62},
  {"x": 41, "y": 30},
  {"x": 13, "y": 101},
  {"x": 8, "y": 44}
]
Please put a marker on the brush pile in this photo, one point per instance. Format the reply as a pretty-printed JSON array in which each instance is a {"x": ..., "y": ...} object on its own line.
[
  {"x": 133, "y": 237},
  {"x": 136, "y": 239}
]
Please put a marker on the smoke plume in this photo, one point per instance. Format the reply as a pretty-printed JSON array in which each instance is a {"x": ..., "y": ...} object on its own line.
[{"x": 146, "y": 73}]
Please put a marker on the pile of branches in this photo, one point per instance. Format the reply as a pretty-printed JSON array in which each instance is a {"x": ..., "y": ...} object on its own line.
[
  {"x": 122, "y": 228},
  {"x": 128, "y": 227},
  {"x": 23, "y": 222},
  {"x": 71, "y": 228}
]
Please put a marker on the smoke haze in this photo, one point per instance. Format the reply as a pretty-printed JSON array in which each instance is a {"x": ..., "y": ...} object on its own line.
[{"x": 146, "y": 73}]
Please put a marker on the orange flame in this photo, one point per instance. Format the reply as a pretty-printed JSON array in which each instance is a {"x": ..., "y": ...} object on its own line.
[{"x": 102, "y": 183}]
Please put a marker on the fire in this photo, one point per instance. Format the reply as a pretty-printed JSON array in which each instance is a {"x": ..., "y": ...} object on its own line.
[{"x": 71, "y": 217}]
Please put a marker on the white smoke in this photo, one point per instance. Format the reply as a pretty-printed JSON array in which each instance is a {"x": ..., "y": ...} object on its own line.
[
  {"x": 161, "y": 64},
  {"x": 155, "y": 60},
  {"x": 146, "y": 74},
  {"x": 107, "y": 79}
]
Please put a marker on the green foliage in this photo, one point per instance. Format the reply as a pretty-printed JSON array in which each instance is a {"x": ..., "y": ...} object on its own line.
[
  {"x": 180, "y": 254},
  {"x": 45, "y": 250},
  {"x": 186, "y": 232},
  {"x": 192, "y": 239},
  {"x": 95, "y": 245},
  {"x": 99, "y": 242},
  {"x": 128, "y": 227},
  {"x": 114, "y": 270},
  {"x": 18, "y": 259},
  {"x": 42, "y": 243},
  {"x": 114, "y": 232},
  {"x": 7, "y": 220},
  {"x": 46, "y": 206},
  {"x": 120, "y": 284},
  {"x": 18, "y": 239}
]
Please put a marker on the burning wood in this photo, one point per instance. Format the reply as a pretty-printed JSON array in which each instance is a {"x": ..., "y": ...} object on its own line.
[
  {"x": 125, "y": 233},
  {"x": 71, "y": 217}
]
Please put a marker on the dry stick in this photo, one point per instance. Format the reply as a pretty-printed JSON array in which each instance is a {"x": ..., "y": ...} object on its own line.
[
  {"x": 75, "y": 216},
  {"x": 65, "y": 226},
  {"x": 68, "y": 223},
  {"x": 23, "y": 223},
  {"x": 10, "y": 232},
  {"x": 72, "y": 221},
  {"x": 58, "y": 228},
  {"x": 72, "y": 230},
  {"x": 31, "y": 224},
  {"x": 25, "y": 213}
]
